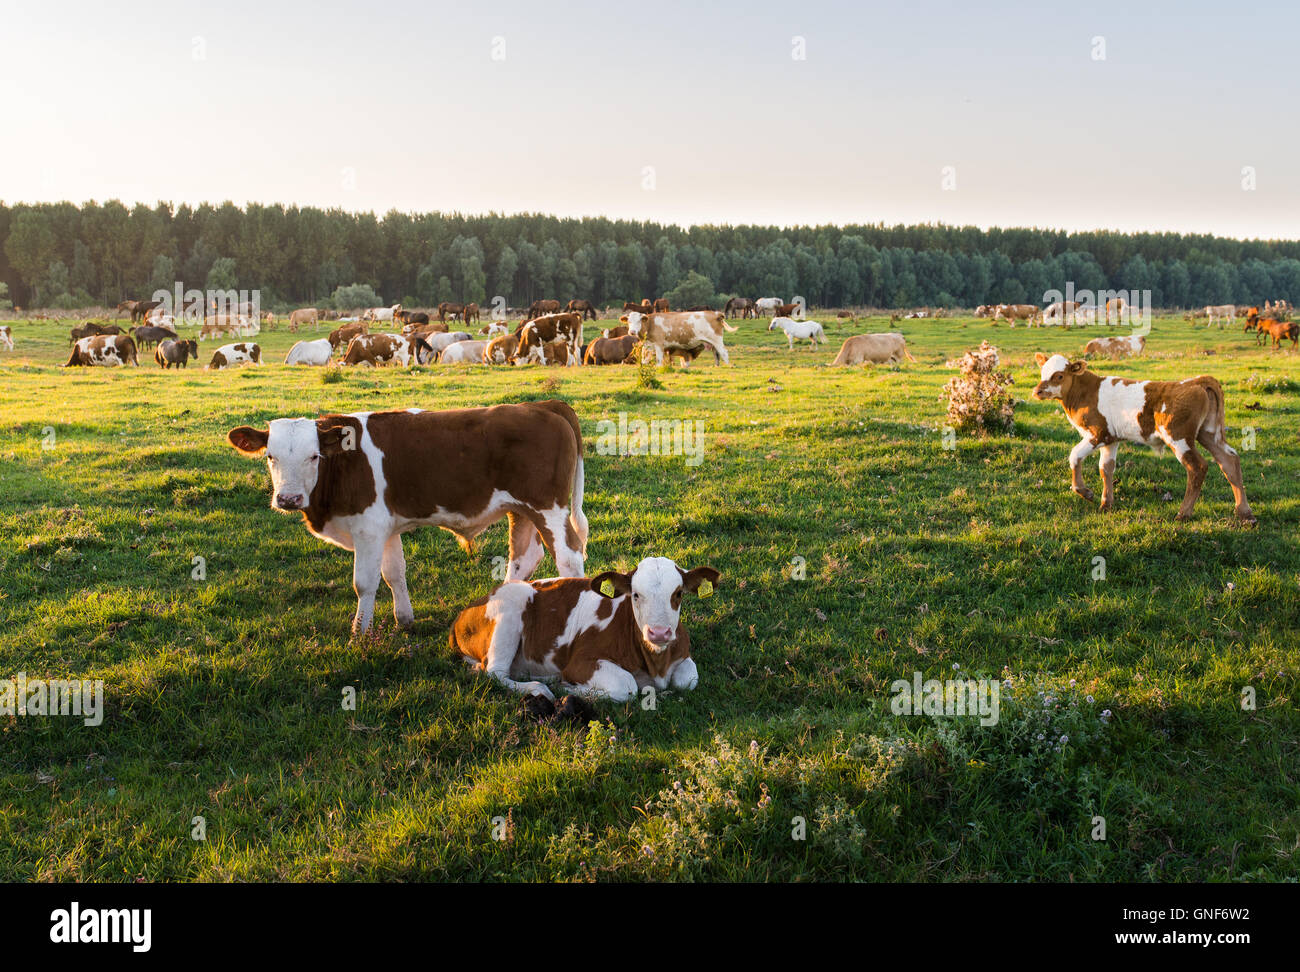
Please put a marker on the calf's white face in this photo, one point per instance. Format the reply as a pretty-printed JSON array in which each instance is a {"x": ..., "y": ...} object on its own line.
[
  {"x": 655, "y": 588},
  {"x": 293, "y": 453},
  {"x": 634, "y": 322},
  {"x": 1051, "y": 376}
]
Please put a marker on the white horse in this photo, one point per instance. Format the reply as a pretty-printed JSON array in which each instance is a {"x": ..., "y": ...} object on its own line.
[{"x": 809, "y": 331}]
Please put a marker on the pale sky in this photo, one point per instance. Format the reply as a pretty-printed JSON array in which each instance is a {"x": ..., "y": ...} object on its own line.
[{"x": 402, "y": 105}]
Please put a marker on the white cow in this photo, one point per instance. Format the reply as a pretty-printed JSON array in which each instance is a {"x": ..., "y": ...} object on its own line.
[
  {"x": 441, "y": 341},
  {"x": 310, "y": 353},
  {"x": 809, "y": 331},
  {"x": 464, "y": 352},
  {"x": 7, "y": 337},
  {"x": 381, "y": 313}
]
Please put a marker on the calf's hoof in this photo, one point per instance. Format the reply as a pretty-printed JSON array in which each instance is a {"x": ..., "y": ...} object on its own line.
[
  {"x": 1085, "y": 492},
  {"x": 1247, "y": 517},
  {"x": 1107, "y": 505}
]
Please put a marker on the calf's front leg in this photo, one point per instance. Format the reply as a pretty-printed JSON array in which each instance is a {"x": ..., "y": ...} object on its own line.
[
  {"x": 1079, "y": 453},
  {"x": 366, "y": 564}
]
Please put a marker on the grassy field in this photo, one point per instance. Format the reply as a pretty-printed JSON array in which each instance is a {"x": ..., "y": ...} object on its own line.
[{"x": 223, "y": 696}]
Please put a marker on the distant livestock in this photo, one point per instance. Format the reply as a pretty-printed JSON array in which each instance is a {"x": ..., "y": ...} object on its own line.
[
  {"x": 316, "y": 353},
  {"x": 176, "y": 353},
  {"x": 809, "y": 331},
  {"x": 689, "y": 331},
  {"x": 103, "y": 349},
  {"x": 229, "y": 355},
  {"x": 1116, "y": 347},
  {"x": 886, "y": 348}
]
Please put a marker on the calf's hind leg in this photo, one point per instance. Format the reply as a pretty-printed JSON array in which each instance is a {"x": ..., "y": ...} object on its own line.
[
  {"x": 1106, "y": 462},
  {"x": 1196, "y": 467},
  {"x": 1230, "y": 464},
  {"x": 393, "y": 568}
]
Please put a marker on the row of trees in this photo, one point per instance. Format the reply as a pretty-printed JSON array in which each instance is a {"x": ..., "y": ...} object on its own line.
[{"x": 60, "y": 254}]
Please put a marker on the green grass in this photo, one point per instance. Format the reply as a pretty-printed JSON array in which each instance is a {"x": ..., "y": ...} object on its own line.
[{"x": 223, "y": 695}]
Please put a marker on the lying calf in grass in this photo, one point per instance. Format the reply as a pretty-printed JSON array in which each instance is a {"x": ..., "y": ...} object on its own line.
[
  {"x": 606, "y": 635},
  {"x": 1107, "y": 411}
]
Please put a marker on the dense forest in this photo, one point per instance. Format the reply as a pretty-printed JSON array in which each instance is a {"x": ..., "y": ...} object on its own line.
[{"x": 64, "y": 255}]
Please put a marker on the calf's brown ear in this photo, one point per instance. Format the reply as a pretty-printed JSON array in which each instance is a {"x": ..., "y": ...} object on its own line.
[
  {"x": 1040, "y": 358},
  {"x": 612, "y": 584},
  {"x": 701, "y": 580},
  {"x": 1074, "y": 367},
  {"x": 248, "y": 440}
]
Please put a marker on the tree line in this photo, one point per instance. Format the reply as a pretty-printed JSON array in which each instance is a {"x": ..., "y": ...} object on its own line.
[{"x": 64, "y": 255}]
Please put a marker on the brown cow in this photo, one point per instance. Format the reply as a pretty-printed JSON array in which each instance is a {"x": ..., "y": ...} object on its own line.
[
  {"x": 344, "y": 335},
  {"x": 552, "y": 328},
  {"x": 1108, "y": 411},
  {"x": 661, "y": 305},
  {"x": 447, "y": 308},
  {"x": 1279, "y": 331},
  {"x": 501, "y": 349},
  {"x": 611, "y": 350},
  {"x": 363, "y": 480},
  {"x": 540, "y": 307},
  {"x": 470, "y": 313},
  {"x": 147, "y": 335}
]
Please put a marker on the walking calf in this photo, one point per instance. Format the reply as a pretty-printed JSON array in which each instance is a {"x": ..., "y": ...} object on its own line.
[{"x": 1107, "y": 411}]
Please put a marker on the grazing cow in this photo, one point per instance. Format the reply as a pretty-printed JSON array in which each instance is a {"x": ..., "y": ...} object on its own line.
[
  {"x": 437, "y": 343},
  {"x": 1116, "y": 347},
  {"x": 1108, "y": 411},
  {"x": 229, "y": 355},
  {"x": 1215, "y": 312},
  {"x": 790, "y": 310},
  {"x": 238, "y": 326},
  {"x": 985, "y": 310},
  {"x": 768, "y": 305},
  {"x": 741, "y": 307},
  {"x": 552, "y": 328},
  {"x": 501, "y": 350},
  {"x": 583, "y": 307},
  {"x": 147, "y": 335},
  {"x": 887, "y": 348},
  {"x": 494, "y": 328},
  {"x": 681, "y": 331},
  {"x": 7, "y": 336},
  {"x": 176, "y": 353},
  {"x": 661, "y": 305},
  {"x": 376, "y": 350},
  {"x": 1014, "y": 312},
  {"x": 613, "y": 332},
  {"x": 103, "y": 349},
  {"x": 603, "y": 636},
  {"x": 448, "y": 309},
  {"x": 809, "y": 331},
  {"x": 424, "y": 330},
  {"x": 268, "y": 319},
  {"x": 463, "y": 352},
  {"x": 610, "y": 350},
  {"x": 1279, "y": 331},
  {"x": 316, "y": 353},
  {"x": 845, "y": 315},
  {"x": 470, "y": 313},
  {"x": 304, "y": 315},
  {"x": 344, "y": 335},
  {"x": 380, "y": 313},
  {"x": 553, "y": 353},
  {"x": 363, "y": 480},
  {"x": 1252, "y": 319}
]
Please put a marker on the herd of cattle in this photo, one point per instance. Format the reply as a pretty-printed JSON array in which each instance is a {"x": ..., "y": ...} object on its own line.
[{"x": 363, "y": 480}]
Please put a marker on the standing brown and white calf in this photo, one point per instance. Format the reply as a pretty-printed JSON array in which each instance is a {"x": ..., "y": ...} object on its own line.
[
  {"x": 607, "y": 635},
  {"x": 1107, "y": 411},
  {"x": 362, "y": 480}
]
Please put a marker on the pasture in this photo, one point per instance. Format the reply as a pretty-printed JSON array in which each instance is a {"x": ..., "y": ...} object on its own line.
[{"x": 854, "y": 550}]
